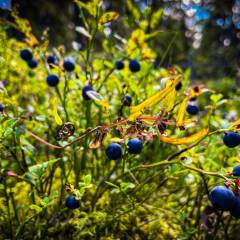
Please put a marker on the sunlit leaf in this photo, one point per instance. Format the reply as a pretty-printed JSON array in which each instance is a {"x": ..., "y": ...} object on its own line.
[
  {"x": 98, "y": 98},
  {"x": 181, "y": 112},
  {"x": 57, "y": 118},
  {"x": 155, "y": 20},
  {"x": 70, "y": 189},
  {"x": 108, "y": 17},
  {"x": 138, "y": 110},
  {"x": 169, "y": 101},
  {"x": 133, "y": 9},
  {"x": 83, "y": 31},
  {"x": 186, "y": 140},
  {"x": 235, "y": 126}
]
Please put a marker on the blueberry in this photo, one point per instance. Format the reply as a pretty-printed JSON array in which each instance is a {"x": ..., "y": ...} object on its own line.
[
  {"x": 2, "y": 107},
  {"x": 127, "y": 101},
  {"x": 222, "y": 198},
  {"x": 231, "y": 139},
  {"x": 192, "y": 109},
  {"x": 26, "y": 54},
  {"x": 119, "y": 65},
  {"x": 52, "y": 80},
  {"x": 32, "y": 63},
  {"x": 69, "y": 64},
  {"x": 235, "y": 212},
  {"x": 114, "y": 151},
  {"x": 178, "y": 86},
  {"x": 134, "y": 65},
  {"x": 84, "y": 92},
  {"x": 72, "y": 202},
  {"x": 51, "y": 60},
  {"x": 134, "y": 145},
  {"x": 236, "y": 171}
]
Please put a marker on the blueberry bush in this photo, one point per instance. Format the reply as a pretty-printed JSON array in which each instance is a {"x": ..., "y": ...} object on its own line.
[{"x": 102, "y": 144}]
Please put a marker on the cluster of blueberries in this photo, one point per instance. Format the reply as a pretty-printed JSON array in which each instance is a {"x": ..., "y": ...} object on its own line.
[
  {"x": 27, "y": 56},
  {"x": 133, "y": 65},
  {"x": 224, "y": 199},
  {"x": 113, "y": 152}
]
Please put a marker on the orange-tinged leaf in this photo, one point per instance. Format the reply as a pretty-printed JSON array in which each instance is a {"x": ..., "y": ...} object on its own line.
[
  {"x": 136, "y": 111},
  {"x": 186, "y": 140},
  {"x": 108, "y": 17}
]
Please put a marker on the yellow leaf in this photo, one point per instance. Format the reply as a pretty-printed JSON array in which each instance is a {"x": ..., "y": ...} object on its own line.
[
  {"x": 57, "y": 118},
  {"x": 235, "y": 126},
  {"x": 181, "y": 112},
  {"x": 169, "y": 101},
  {"x": 185, "y": 140},
  {"x": 108, "y": 17},
  {"x": 136, "y": 111}
]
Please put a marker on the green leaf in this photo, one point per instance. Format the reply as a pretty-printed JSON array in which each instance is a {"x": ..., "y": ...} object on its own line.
[
  {"x": 87, "y": 179},
  {"x": 36, "y": 208},
  {"x": 39, "y": 169}
]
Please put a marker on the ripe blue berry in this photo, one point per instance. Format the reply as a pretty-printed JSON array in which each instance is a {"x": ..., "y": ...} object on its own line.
[
  {"x": 69, "y": 64},
  {"x": 32, "y": 63},
  {"x": 84, "y": 92},
  {"x": 2, "y": 107},
  {"x": 72, "y": 202},
  {"x": 119, "y": 65},
  {"x": 236, "y": 171},
  {"x": 52, "y": 80},
  {"x": 235, "y": 212},
  {"x": 114, "y": 151},
  {"x": 51, "y": 60},
  {"x": 231, "y": 139},
  {"x": 222, "y": 198},
  {"x": 134, "y": 66},
  {"x": 192, "y": 109},
  {"x": 134, "y": 145},
  {"x": 26, "y": 54},
  {"x": 127, "y": 101}
]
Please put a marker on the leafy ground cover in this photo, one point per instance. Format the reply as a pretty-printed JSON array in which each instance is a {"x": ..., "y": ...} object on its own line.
[{"x": 103, "y": 145}]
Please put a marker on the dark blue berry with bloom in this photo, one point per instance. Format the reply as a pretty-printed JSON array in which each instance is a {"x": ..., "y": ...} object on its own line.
[
  {"x": 69, "y": 64},
  {"x": 119, "y": 65},
  {"x": 52, "y": 80},
  {"x": 127, "y": 101},
  {"x": 192, "y": 109},
  {"x": 134, "y": 145},
  {"x": 32, "y": 63},
  {"x": 231, "y": 139},
  {"x": 51, "y": 60},
  {"x": 134, "y": 66},
  {"x": 222, "y": 198},
  {"x": 236, "y": 171},
  {"x": 26, "y": 55},
  {"x": 72, "y": 202},
  {"x": 114, "y": 151},
  {"x": 84, "y": 92}
]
